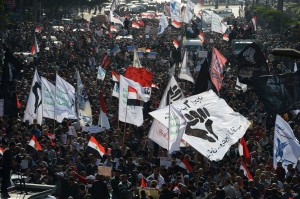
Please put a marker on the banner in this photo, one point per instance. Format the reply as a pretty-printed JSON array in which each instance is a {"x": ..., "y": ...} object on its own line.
[
  {"x": 158, "y": 132},
  {"x": 279, "y": 93},
  {"x": 48, "y": 96},
  {"x": 189, "y": 12},
  {"x": 84, "y": 109},
  {"x": 103, "y": 118},
  {"x": 216, "y": 23},
  {"x": 131, "y": 93},
  {"x": 175, "y": 10},
  {"x": 64, "y": 100},
  {"x": 286, "y": 145},
  {"x": 217, "y": 63},
  {"x": 212, "y": 126},
  {"x": 163, "y": 24},
  {"x": 34, "y": 103},
  {"x": 185, "y": 72}
]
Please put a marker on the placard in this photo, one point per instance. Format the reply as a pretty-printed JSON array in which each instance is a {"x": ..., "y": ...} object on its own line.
[
  {"x": 202, "y": 54},
  {"x": 165, "y": 161},
  {"x": 105, "y": 171},
  {"x": 149, "y": 192}
]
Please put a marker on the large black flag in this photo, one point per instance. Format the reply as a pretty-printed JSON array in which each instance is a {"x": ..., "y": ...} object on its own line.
[
  {"x": 251, "y": 62},
  {"x": 203, "y": 79},
  {"x": 279, "y": 93}
]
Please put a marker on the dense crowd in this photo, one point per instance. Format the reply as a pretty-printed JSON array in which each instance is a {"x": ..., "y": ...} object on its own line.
[{"x": 73, "y": 167}]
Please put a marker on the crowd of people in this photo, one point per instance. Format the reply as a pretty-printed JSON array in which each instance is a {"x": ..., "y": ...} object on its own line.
[{"x": 72, "y": 166}]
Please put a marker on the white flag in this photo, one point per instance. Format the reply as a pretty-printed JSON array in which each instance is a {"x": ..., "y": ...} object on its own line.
[
  {"x": 175, "y": 10},
  {"x": 115, "y": 92},
  {"x": 212, "y": 126},
  {"x": 189, "y": 12},
  {"x": 103, "y": 119},
  {"x": 286, "y": 145},
  {"x": 176, "y": 128},
  {"x": 64, "y": 100},
  {"x": 34, "y": 104},
  {"x": 115, "y": 18},
  {"x": 101, "y": 73},
  {"x": 130, "y": 102},
  {"x": 48, "y": 93},
  {"x": 239, "y": 86},
  {"x": 185, "y": 72},
  {"x": 163, "y": 24},
  {"x": 84, "y": 109},
  {"x": 158, "y": 132},
  {"x": 216, "y": 23},
  {"x": 295, "y": 67},
  {"x": 136, "y": 61}
]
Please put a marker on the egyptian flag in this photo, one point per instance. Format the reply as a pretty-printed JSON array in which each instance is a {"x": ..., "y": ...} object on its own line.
[
  {"x": 176, "y": 24},
  {"x": 141, "y": 22},
  {"x": 35, "y": 144},
  {"x": 201, "y": 37},
  {"x": 18, "y": 102},
  {"x": 254, "y": 23},
  {"x": 38, "y": 29},
  {"x": 93, "y": 143},
  {"x": 244, "y": 151},
  {"x": 153, "y": 85},
  {"x": 113, "y": 29},
  {"x": 51, "y": 138},
  {"x": 186, "y": 165},
  {"x": 225, "y": 37},
  {"x": 103, "y": 119},
  {"x": 175, "y": 43},
  {"x": 135, "y": 25},
  {"x": 1, "y": 151},
  {"x": 246, "y": 171},
  {"x": 143, "y": 182},
  {"x": 115, "y": 76}
]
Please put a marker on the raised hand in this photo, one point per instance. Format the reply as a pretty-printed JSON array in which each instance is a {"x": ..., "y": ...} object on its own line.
[{"x": 201, "y": 116}]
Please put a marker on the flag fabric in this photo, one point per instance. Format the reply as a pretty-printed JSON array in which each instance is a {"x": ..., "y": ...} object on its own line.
[
  {"x": 34, "y": 104},
  {"x": 94, "y": 144},
  {"x": 33, "y": 51},
  {"x": 246, "y": 171},
  {"x": 103, "y": 119},
  {"x": 131, "y": 48},
  {"x": 105, "y": 61},
  {"x": 278, "y": 93},
  {"x": 148, "y": 50},
  {"x": 286, "y": 145},
  {"x": 216, "y": 23},
  {"x": 136, "y": 61},
  {"x": 38, "y": 29},
  {"x": 35, "y": 48},
  {"x": 212, "y": 126},
  {"x": 50, "y": 135},
  {"x": 186, "y": 165},
  {"x": 35, "y": 144},
  {"x": 131, "y": 92},
  {"x": 84, "y": 109},
  {"x": 254, "y": 23},
  {"x": 217, "y": 63},
  {"x": 143, "y": 182},
  {"x": 115, "y": 4},
  {"x": 101, "y": 73},
  {"x": 244, "y": 151},
  {"x": 115, "y": 76},
  {"x": 175, "y": 43},
  {"x": 176, "y": 128},
  {"x": 153, "y": 85},
  {"x": 239, "y": 86},
  {"x": 201, "y": 37},
  {"x": 185, "y": 72},
  {"x": 158, "y": 132},
  {"x": 203, "y": 79},
  {"x": 225, "y": 37},
  {"x": 139, "y": 75},
  {"x": 176, "y": 24},
  {"x": 135, "y": 25},
  {"x": 1, "y": 151},
  {"x": 116, "y": 91},
  {"x": 175, "y": 10},
  {"x": 65, "y": 106},
  {"x": 48, "y": 97},
  {"x": 115, "y": 50},
  {"x": 151, "y": 55},
  {"x": 112, "y": 29},
  {"x": 189, "y": 12},
  {"x": 141, "y": 23},
  {"x": 163, "y": 24}
]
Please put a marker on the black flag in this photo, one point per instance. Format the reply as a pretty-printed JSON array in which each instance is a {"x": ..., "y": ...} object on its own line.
[
  {"x": 279, "y": 93},
  {"x": 251, "y": 62},
  {"x": 203, "y": 79}
]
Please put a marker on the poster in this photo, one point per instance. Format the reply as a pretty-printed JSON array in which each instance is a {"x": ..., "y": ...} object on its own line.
[{"x": 105, "y": 171}]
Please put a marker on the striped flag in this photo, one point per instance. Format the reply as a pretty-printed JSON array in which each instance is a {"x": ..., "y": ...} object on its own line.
[
  {"x": 115, "y": 76},
  {"x": 135, "y": 25},
  {"x": 176, "y": 24},
  {"x": 113, "y": 29},
  {"x": 38, "y": 29},
  {"x": 1, "y": 151},
  {"x": 246, "y": 171},
  {"x": 35, "y": 144},
  {"x": 201, "y": 37},
  {"x": 217, "y": 63},
  {"x": 148, "y": 50},
  {"x": 93, "y": 143},
  {"x": 186, "y": 165},
  {"x": 244, "y": 151},
  {"x": 175, "y": 43},
  {"x": 254, "y": 23},
  {"x": 225, "y": 37},
  {"x": 103, "y": 119},
  {"x": 153, "y": 85},
  {"x": 141, "y": 22}
]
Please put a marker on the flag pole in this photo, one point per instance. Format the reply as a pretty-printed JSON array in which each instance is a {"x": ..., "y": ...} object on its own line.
[
  {"x": 123, "y": 142},
  {"x": 54, "y": 103},
  {"x": 169, "y": 122}
]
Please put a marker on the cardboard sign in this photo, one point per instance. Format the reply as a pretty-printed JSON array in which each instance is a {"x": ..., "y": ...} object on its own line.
[
  {"x": 165, "y": 161},
  {"x": 149, "y": 192},
  {"x": 202, "y": 54},
  {"x": 105, "y": 171}
]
